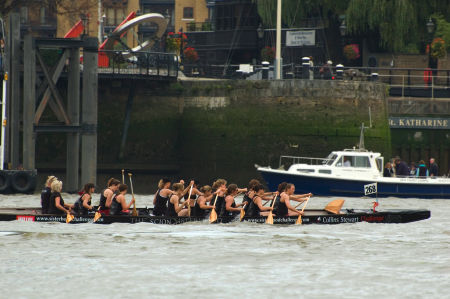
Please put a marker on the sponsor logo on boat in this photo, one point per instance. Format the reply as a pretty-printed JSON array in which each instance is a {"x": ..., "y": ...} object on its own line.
[
  {"x": 24, "y": 218},
  {"x": 330, "y": 220},
  {"x": 372, "y": 218}
]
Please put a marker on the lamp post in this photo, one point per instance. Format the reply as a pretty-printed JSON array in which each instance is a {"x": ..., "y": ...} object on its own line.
[
  {"x": 260, "y": 34},
  {"x": 343, "y": 31},
  {"x": 430, "y": 29}
]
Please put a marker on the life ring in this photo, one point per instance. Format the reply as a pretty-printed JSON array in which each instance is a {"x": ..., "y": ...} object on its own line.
[
  {"x": 23, "y": 182},
  {"x": 5, "y": 181}
]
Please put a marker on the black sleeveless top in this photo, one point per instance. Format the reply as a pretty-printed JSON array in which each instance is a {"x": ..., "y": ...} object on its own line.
[
  {"x": 45, "y": 199},
  {"x": 220, "y": 205},
  {"x": 230, "y": 213},
  {"x": 198, "y": 212},
  {"x": 102, "y": 204},
  {"x": 116, "y": 207},
  {"x": 78, "y": 206},
  {"x": 282, "y": 210},
  {"x": 276, "y": 205},
  {"x": 171, "y": 209},
  {"x": 254, "y": 209},
  {"x": 248, "y": 201},
  {"x": 160, "y": 207},
  {"x": 52, "y": 209}
]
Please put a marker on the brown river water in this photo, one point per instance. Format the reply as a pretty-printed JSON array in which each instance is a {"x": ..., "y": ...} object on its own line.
[{"x": 237, "y": 260}]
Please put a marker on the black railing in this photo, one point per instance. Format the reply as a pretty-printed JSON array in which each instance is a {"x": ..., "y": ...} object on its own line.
[{"x": 138, "y": 63}]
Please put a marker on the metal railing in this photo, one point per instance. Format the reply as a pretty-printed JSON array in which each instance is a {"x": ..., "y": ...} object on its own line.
[
  {"x": 138, "y": 63},
  {"x": 290, "y": 160}
]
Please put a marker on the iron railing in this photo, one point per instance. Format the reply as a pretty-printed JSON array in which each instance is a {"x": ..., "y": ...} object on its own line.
[{"x": 138, "y": 63}]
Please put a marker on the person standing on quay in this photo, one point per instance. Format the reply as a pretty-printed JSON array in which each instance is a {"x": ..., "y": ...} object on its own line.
[{"x": 434, "y": 169}]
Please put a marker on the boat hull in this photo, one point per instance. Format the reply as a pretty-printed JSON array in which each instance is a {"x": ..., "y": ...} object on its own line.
[
  {"x": 323, "y": 186},
  {"x": 310, "y": 217}
]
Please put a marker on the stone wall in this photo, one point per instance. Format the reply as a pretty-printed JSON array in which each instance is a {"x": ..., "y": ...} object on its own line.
[{"x": 210, "y": 129}]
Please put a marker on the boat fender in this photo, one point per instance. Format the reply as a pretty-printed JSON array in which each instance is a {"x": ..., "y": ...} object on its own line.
[
  {"x": 5, "y": 181},
  {"x": 23, "y": 182}
]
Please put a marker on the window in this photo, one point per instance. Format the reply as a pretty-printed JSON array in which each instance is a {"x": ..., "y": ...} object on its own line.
[
  {"x": 42, "y": 15},
  {"x": 24, "y": 14},
  {"x": 188, "y": 13},
  {"x": 353, "y": 161}
]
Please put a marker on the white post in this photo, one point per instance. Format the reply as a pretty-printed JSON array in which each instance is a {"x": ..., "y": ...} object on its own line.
[
  {"x": 100, "y": 22},
  {"x": 3, "y": 129},
  {"x": 278, "y": 46}
]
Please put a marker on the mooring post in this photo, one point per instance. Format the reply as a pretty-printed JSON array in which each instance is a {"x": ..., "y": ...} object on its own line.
[
  {"x": 14, "y": 98},
  {"x": 29, "y": 103},
  {"x": 73, "y": 111},
  {"x": 89, "y": 112}
]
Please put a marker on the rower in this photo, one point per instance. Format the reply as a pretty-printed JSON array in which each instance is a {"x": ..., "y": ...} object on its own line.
[
  {"x": 119, "y": 204},
  {"x": 161, "y": 197},
  {"x": 231, "y": 208},
  {"x": 284, "y": 207},
  {"x": 174, "y": 208},
  {"x": 247, "y": 199},
  {"x": 281, "y": 189},
  {"x": 194, "y": 193},
  {"x": 256, "y": 207},
  {"x": 83, "y": 204},
  {"x": 201, "y": 207},
  {"x": 56, "y": 203},
  {"x": 107, "y": 195},
  {"x": 219, "y": 187},
  {"x": 46, "y": 193}
]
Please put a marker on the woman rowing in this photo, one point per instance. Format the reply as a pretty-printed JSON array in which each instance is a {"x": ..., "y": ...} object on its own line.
[
  {"x": 161, "y": 197},
  {"x": 201, "y": 206},
  {"x": 256, "y": 207},
  {"x": 83, "y": 204},
  {"x": 46, "y": 193},
  {"x": 248, "y": 196},
  {"x": 56, "y": 203},
  {"x": 194, "y": 193},
  {"x": 119, "y": 204},
  {"x": 174, "y": 207},
  {"x": 219, "y": 189},
  {"x": 284, "y": 207},
  {"x": 107, "y": 195},
  {"x": 231, "y": 209}
]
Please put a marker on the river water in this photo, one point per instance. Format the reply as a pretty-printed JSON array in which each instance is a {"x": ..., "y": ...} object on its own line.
[{"x": 199, "y": 260}]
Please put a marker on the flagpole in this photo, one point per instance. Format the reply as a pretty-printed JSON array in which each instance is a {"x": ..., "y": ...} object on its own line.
[{"x": 278, "y": 42}]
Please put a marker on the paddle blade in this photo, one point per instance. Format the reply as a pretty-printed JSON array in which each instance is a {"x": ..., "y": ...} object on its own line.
[
  {"x": 97, "y": 216},
  {"x": 299, "y": 220},
  {"x": 134, "y": 213},
  {"x": 242, "y": 215},
  {"x": 335, "y": 206},
  {"x": 69, "y": 218},
  {"x": 269, "y": 219},
  {"x": 213, "y": 216}
]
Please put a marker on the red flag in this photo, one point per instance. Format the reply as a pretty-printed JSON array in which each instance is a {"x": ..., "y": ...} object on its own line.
[{"x": 75, "y": 31}]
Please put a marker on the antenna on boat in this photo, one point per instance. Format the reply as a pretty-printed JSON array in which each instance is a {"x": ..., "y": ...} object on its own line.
[{"x": 361, "y": 137}]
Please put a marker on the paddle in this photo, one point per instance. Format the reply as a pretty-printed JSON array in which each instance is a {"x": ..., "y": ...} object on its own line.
[
  {"x": 213, "y": 215},
  {"x": 69, "y": 217},
  {"x": 269, "y": 219},
  {"x": 123, "y": 177},
  {"x": 335, "y": 206},
  {"x": 242, "y": 212},
  {"x": 97, "y": 215},
  {"x": 134, "y": 213},
  {"x": 299, "y": 219},
  {"x": 189, "y": 199}
]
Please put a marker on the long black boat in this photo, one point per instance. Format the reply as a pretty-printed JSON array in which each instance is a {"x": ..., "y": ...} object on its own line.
[{"x": 311, "y": 217}]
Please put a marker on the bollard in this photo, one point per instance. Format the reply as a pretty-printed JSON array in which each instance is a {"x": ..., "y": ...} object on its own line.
[
  {"x": 305, "y": 67},
  {"x": 374, "y": 77},
  {"x": 265, "y": 70},
  {"x": 339, "y": 72}
]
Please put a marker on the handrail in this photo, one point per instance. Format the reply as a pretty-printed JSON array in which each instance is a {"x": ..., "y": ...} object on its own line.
[{"x": 296, "y": 160}]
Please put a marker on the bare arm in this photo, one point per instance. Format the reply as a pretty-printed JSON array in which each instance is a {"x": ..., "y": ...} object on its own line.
[
  {"x": 109, "y": 195},
  {"x": 285, "y": 199},
  {"x": 123, "y": 202},
  {"x": 228, "y": 202},
  {"x": 300, "y": 197},
  {"x": 59, "y": 206},
  {"x": 260, "y": 205},
  {"x": 176, "y": 203},
  {"x": 201, "y": 201},
  {"x": 85, "y": 200}
]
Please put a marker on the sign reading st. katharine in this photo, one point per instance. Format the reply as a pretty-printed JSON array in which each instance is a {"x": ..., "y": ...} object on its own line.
[
  {"x": 419, "y": 123},
  {"x": 300, "y": 38}
]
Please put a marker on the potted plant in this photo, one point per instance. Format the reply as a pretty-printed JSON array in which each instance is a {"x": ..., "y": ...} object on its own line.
[
  {"x": 438, "y": 49},
  {"x": 190, "y": 55},
  {"x": 351, "y": 52},
  {"x": 175, "y": 42},
  {"x": 268, "y": 54}
]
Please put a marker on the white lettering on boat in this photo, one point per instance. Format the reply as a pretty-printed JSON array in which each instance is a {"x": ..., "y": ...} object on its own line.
[{"x": 24, "y": 218}]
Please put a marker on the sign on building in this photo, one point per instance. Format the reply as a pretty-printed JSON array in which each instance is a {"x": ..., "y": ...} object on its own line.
[
  {"x": 300, "y": 38},
  {"x": 419, "y": 123}
]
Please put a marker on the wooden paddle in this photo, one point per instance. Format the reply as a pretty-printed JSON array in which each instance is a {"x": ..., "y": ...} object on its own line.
[
  {"x": 213, "y": 215},
  {"x": 97, "y": 215},
  {"x": 189, "y": 199},
  {"x": 335, "y": 206},
  {"x": 269, "y": 219},
  {"x": 123, "y": 176},
  {"x": 242, "y": 212},
  {"x": 134, "y": 213},
  {"x": 299, "y": 219},
  {"x": 69, "y": 217}
]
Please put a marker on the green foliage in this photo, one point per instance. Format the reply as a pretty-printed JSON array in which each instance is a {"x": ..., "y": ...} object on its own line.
[{"x": 442, "y": 28}]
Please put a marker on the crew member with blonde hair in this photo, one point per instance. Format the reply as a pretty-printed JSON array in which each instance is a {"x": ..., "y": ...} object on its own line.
[
  {"x": 46, "y": 193},
  {"x": 57, "y": 205}
]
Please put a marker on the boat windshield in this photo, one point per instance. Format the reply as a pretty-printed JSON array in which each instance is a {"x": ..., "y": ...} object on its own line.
[{"x": 330, "y": 159}]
